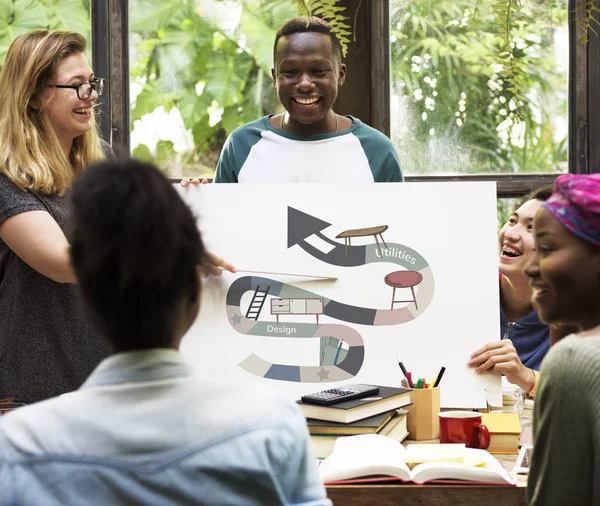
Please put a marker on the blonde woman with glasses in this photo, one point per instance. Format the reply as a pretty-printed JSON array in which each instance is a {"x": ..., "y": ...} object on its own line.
[{"x": 48, "y": 136}]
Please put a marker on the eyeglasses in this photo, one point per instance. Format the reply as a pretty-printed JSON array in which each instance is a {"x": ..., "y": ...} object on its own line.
[{"x": 84, "y": 90}]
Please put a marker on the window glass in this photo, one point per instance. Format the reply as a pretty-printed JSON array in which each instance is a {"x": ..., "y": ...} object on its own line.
[
  {"x": 453, "y": 101},
  {"x": 20, "y": 16},
  {"x": 199, "y": 69}
]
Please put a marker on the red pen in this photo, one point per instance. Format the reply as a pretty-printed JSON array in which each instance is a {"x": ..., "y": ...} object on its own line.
[{"x": 409, "y": 378}]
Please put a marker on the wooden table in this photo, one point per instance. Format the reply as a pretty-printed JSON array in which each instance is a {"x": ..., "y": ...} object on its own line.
[
  {"x": 363, "y": 232},
  {"x": 432, "y": 495}
]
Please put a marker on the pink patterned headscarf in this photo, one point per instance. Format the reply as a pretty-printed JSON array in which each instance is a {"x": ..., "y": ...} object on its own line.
[{"x": 576, "y": 204}]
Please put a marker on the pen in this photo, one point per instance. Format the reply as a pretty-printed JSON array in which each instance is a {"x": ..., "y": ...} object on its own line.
[
  {"x": 402, "y": 368},
  {"x": 432, "y": 384},
  {"x": 439, "y": 377},
  {"x": 419, "y": 383},
  {"x": 407, "y": 375}
]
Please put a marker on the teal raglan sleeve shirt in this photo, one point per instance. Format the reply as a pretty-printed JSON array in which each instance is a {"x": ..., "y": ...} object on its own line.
[
  {"x": 257, "y": 152},
  {"x": 235, "y": 152},
  {"x": 381, "y": 154}
]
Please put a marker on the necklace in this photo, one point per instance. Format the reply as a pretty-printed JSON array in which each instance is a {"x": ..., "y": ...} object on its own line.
[{"x": 337, "y": 122}]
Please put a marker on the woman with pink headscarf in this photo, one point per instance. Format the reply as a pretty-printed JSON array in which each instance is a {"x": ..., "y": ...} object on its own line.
[{"x": 565, "y": 277}]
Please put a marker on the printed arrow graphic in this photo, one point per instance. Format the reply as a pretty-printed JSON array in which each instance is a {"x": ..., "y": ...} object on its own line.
[{"x": 301, "y": 226}]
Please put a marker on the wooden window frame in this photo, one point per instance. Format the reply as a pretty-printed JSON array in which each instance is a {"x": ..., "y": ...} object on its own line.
[{"x": 110, "y": 59}]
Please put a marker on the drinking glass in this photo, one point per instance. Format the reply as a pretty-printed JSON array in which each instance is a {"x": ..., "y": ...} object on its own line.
[{"x": 505, "y": 400}]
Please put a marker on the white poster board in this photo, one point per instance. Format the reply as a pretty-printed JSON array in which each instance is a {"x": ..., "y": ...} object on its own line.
[{"x": 429, "y": 247}]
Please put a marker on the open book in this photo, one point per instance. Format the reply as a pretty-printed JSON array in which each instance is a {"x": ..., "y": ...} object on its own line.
[{"x": 370, "y": 455}]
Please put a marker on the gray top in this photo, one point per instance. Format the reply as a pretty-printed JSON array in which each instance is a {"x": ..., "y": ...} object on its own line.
[
  {"x": 46, "y": 346},
  {"x": 565, "y": 468}
]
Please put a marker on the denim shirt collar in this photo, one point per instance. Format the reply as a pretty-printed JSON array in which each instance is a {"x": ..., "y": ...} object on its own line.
[{"x": 140, "y": 365}]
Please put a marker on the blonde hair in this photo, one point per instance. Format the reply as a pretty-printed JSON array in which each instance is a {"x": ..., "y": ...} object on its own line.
[{"x": 30, "y": 153}]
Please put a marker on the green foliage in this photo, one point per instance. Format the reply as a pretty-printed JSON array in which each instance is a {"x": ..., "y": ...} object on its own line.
[
  {"x": 21, "y": 16},
  {"x": 331, "y": 11},
  {"x": 515, "y": 69},
  {"x": 504, "y": 208},
  {"x": 215, "y": 72},
  {"x": 591, "y": 19},
  {"x": 142, "y": 152},
  {"x": 459, "y": 112},
  {"x": 165, "y": 152}
]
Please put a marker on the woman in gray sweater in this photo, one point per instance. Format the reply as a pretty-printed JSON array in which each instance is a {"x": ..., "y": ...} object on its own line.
[{"x": 565, "y": 277}]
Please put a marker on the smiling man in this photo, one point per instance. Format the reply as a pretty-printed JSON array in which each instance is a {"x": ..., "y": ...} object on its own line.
[{"x": 309, "y": 142}]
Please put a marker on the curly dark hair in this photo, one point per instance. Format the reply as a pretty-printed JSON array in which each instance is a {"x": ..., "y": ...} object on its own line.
[{"x": 135, "y": 249}]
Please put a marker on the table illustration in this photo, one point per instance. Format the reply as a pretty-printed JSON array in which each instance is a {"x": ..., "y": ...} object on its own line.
[{"x": 363, "y": 232}]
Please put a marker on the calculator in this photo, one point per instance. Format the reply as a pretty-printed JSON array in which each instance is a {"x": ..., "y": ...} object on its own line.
[{"x": 341, "y": 394}]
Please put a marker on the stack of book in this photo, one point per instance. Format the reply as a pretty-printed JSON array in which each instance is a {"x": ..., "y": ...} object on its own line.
[
  {"x": 505, "y": 432},
  {"x": 370, "y": 415}
]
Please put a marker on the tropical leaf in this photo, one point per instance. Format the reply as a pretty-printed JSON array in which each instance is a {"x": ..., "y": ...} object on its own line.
[
  {"x": 18, "y": 17},
  {"x": 142, "y": 152},
  {"x": 149, "y": 99},
  {"x": 203, "y": 133},
  {"x": 165, "y": 152},
  {"x": 230, "y": 119},
  {"x": 193, "y": 108},
  {"x": 152, "y": 15},
  {"x": 69, "y": 15},
  {"x": 226, "y": 76},
  {"x": 259, "y": 38}
]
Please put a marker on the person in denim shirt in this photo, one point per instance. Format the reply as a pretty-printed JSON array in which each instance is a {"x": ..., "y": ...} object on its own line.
[{"x": 143, "y": 428}]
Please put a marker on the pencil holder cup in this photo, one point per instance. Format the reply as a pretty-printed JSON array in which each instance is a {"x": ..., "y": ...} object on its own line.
[{"x": 422, "y": 421}]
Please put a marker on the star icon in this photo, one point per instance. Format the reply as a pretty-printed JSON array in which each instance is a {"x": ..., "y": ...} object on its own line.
[
  {"x": 236, "y": 319},
  {"x": 323, "y": 374}
]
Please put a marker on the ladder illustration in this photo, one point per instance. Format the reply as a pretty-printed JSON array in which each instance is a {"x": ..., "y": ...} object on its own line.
[{"x": 257, "y": 303}]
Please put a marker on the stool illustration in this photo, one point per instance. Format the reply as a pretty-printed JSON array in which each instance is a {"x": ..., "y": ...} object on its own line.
[{"x": 403, "y": 279}]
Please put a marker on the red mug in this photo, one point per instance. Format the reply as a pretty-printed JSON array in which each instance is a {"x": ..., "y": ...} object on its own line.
[{"x": 464, "y": 427}]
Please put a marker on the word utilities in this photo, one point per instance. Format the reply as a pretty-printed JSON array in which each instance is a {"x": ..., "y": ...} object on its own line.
[{"x": 370, "y": 455}]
